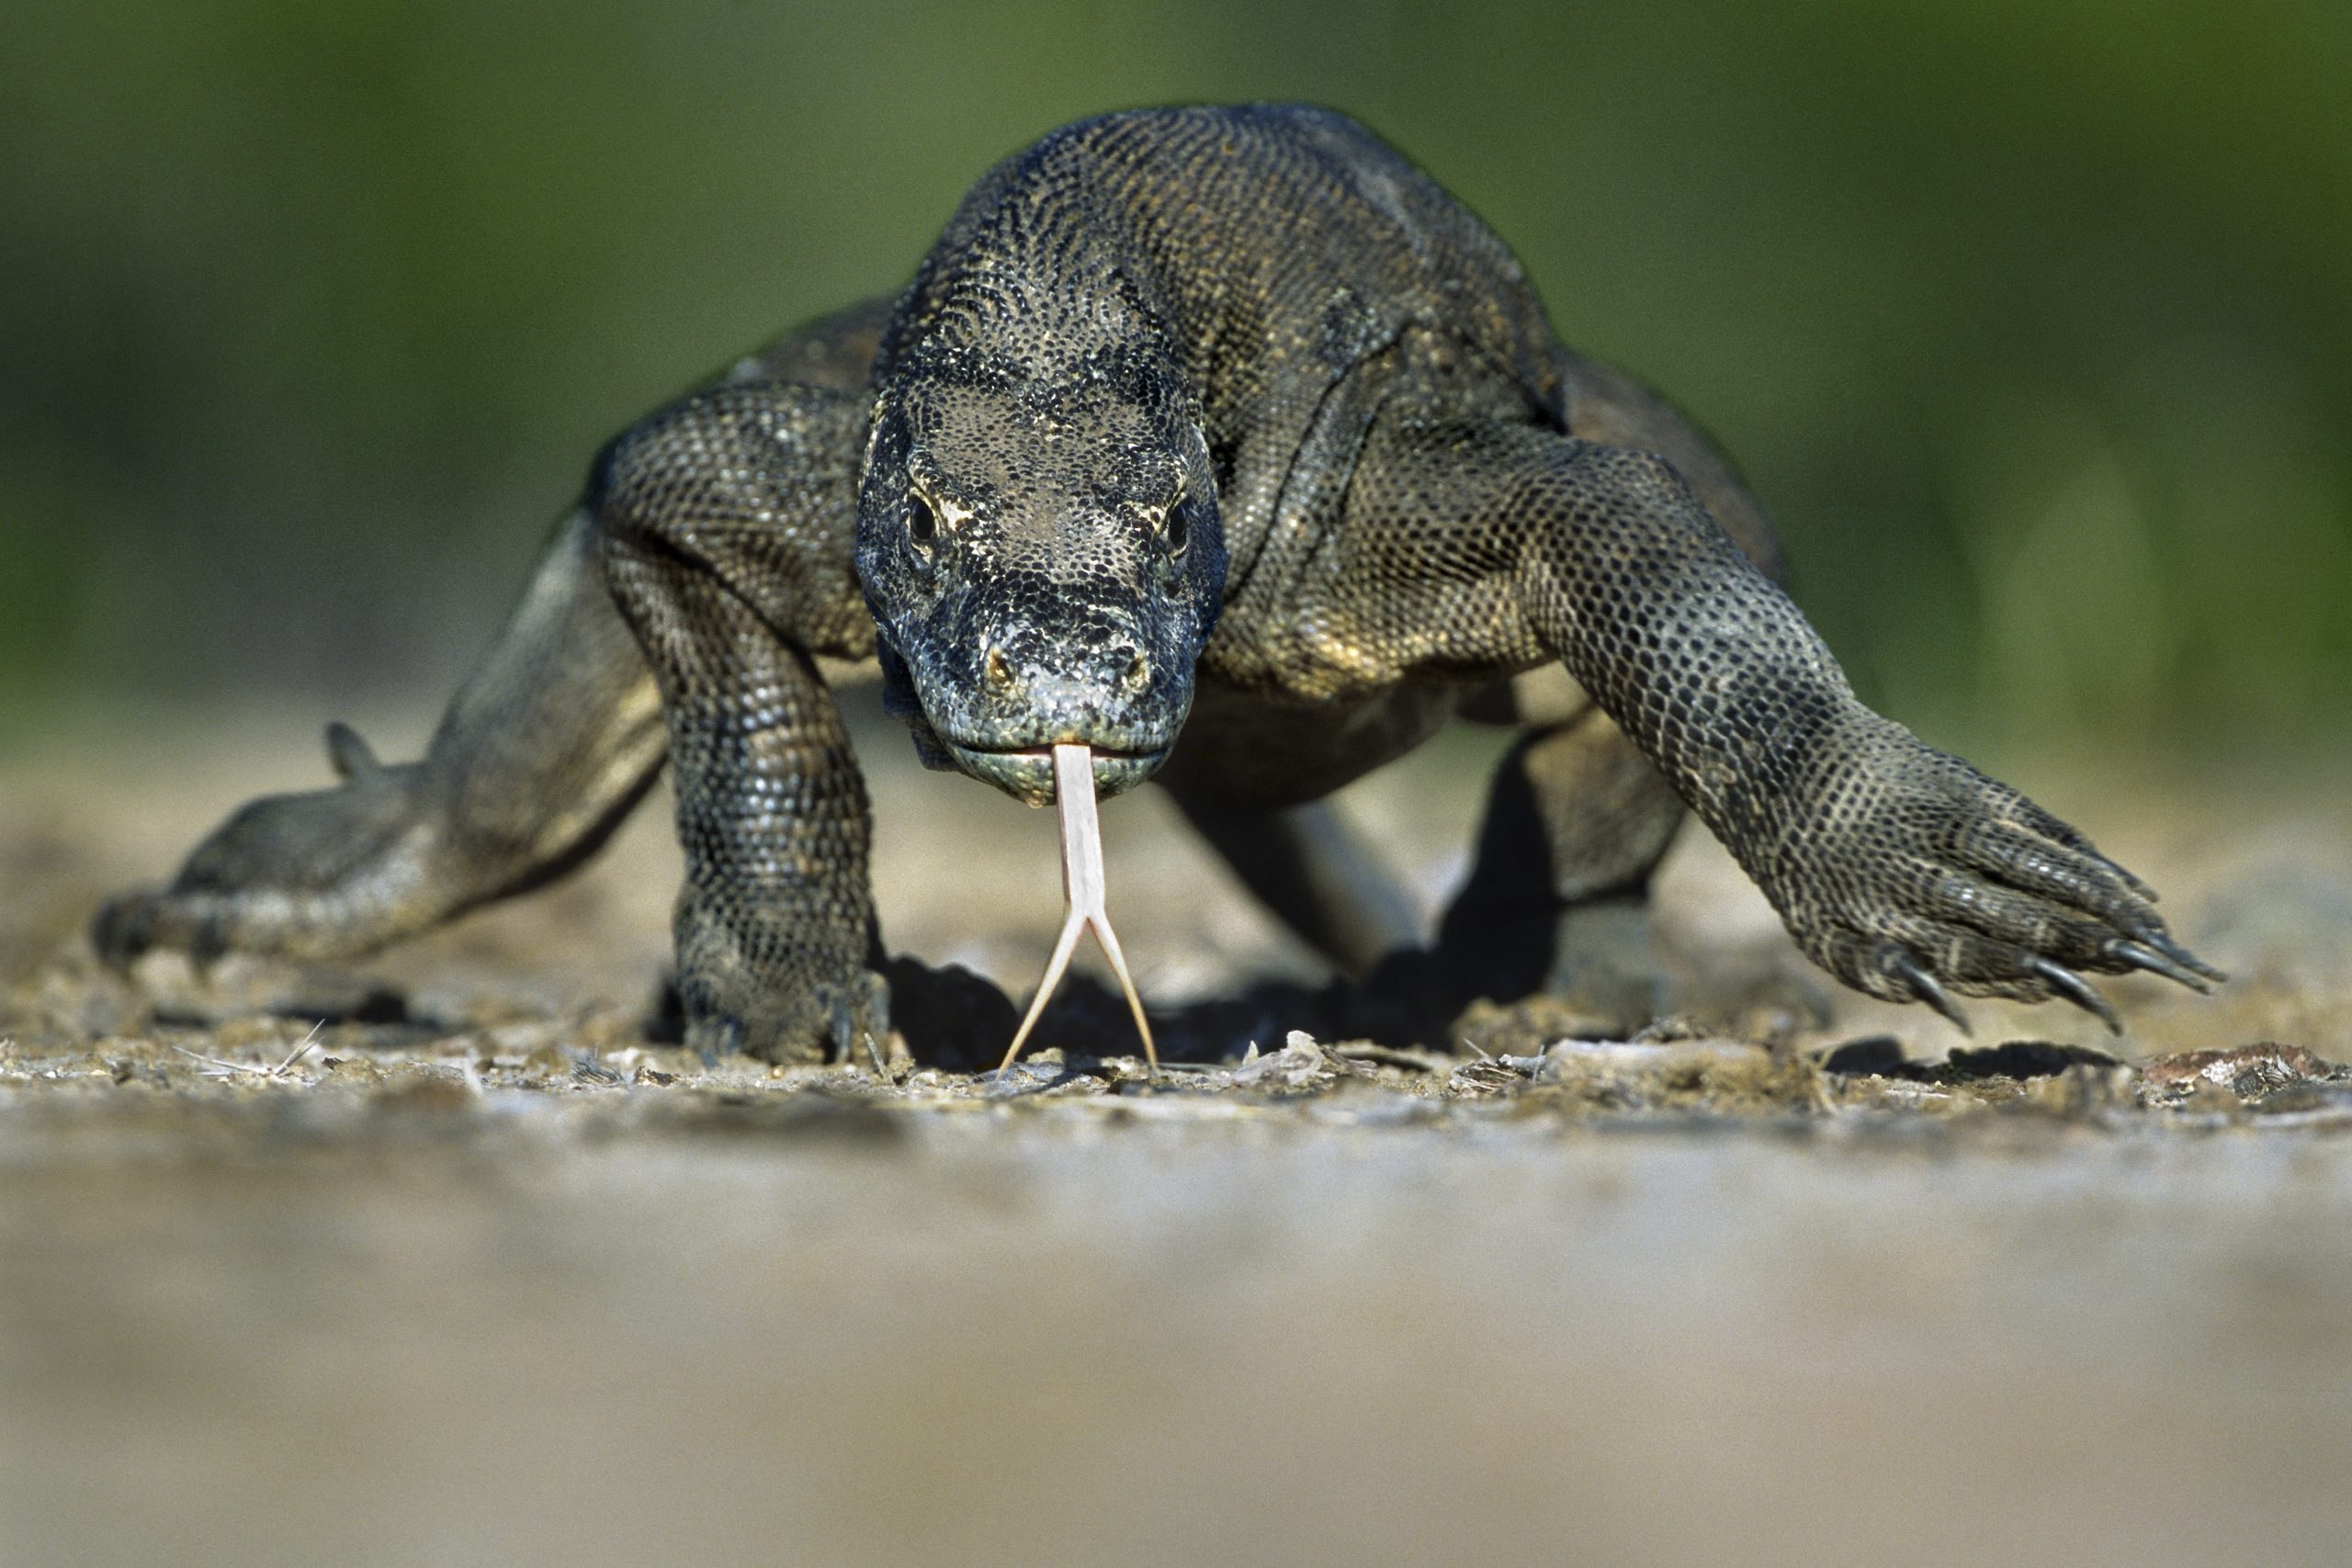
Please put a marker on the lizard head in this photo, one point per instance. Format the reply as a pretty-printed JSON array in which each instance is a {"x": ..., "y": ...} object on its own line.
[{"x": 1043, "y": 561}]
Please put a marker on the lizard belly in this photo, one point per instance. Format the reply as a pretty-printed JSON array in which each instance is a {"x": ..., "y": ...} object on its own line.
[{"x": 1270, "y": 749}]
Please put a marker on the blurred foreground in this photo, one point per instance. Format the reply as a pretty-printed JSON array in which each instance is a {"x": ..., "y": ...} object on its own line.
[{"x": 471, "y": 1271}]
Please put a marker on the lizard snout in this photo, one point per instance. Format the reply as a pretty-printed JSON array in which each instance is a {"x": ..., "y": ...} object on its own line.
[
  {"x": 1028, "y": 691},
  {"x": 1097, "y": 680}
]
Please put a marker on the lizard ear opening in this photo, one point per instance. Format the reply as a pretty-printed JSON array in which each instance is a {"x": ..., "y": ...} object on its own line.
[{"x": 922, "y": 524}]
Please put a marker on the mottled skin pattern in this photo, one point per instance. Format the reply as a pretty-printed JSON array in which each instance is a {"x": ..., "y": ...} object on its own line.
[{"x": 1226, "y": 443}]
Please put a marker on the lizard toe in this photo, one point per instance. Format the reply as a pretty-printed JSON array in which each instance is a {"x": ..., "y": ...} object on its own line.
[
  {"x": 732, "y": 1012},
  {"x": 2016, "y": 807},
  {"x": 2066, "y": 906},
  {"x": 200, "y": 925},
  {"x": 713, "y": 1037},
  {"x": 2033, "y": 864},
  {"x": 858, "y": 1019},
  {"x": 1971, "y": 902},
  {"x": 124, "y": 930}
]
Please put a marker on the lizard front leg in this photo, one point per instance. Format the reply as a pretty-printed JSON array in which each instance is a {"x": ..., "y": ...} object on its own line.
[
  {"x": 1899, "y": 868},
  {"x": 730, "y": 518},
  {"x": 1578, "y": 817}
]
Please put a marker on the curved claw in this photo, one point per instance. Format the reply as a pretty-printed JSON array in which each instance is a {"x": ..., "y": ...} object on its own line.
[
  {"x": 2164, "y": 944},
  {"x": 2077, "y": 990},
  {"x": 715, "y": 1038},
  {"x": 1924, "y": 986},
  {"x": 2170, "y": 961},
  {"x": 859, "y": 1015},
  {"x": 841, "y": 1026}
]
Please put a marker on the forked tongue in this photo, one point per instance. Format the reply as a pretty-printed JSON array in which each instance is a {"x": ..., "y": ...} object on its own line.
[{"x": 1083, "y": 885}]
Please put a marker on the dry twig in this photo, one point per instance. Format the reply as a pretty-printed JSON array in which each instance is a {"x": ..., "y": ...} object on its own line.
[{"x": 216, "y": 1067}]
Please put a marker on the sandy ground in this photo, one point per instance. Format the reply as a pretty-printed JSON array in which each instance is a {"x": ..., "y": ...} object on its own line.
[{"x": 438, "y": 1259}]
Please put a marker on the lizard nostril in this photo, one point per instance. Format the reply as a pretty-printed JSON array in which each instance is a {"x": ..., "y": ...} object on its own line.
[
  {"x": 999, "y": 669},
  {"x": 1138, "y": 673}
]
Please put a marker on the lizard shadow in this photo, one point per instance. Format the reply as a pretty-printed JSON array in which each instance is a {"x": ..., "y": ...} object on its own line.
[{"x": 956, "y": 1019}]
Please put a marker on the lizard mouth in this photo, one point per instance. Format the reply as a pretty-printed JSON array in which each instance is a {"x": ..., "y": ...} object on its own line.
[{"x": 1026, "y": 772}]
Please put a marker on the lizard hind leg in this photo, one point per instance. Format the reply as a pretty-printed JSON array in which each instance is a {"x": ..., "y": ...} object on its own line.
[
  {"x": 1557, "y": 899},
  {"x": 552, "y": 740}
]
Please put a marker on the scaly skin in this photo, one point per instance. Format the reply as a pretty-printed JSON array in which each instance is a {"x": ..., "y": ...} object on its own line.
[{"x": 1223, "y": 442}]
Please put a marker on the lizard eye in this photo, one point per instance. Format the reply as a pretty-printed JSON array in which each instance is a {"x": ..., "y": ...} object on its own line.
[
  {"x": 1179, "y": 525},
  {"x": 922, "y": 524}
]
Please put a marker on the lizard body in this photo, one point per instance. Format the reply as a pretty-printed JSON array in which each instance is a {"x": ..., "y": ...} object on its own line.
[{"x": 1223, "y": 442}]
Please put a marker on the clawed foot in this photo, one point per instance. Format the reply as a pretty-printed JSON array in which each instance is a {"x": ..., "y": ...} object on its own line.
[
  {"x": 328, "y": 874},
  {"x": 1919, "y": 878},
  {"x": 778, "y": 984},
  {"x": 845, "y": 1021}
]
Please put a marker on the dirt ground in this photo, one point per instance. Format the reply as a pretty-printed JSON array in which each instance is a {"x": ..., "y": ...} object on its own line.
[{"x": 442, "y": 1258}]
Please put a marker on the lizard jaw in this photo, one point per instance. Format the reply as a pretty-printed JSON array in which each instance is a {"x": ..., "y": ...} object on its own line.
[{"x": 1026, "y": 772}]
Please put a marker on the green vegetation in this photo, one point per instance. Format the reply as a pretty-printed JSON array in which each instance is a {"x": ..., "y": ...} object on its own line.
[{"x": 2031, "y": 318}]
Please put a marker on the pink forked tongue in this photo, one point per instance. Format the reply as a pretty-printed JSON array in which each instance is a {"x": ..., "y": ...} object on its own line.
[{"x": 1083, "y": 885}]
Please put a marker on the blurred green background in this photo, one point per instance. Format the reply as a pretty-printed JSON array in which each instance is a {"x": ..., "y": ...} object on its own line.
[{"x": 2032, "y": 320}]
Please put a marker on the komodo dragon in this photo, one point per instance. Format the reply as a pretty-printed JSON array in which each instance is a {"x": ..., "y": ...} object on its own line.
[{"x": 1226, "y": 443}]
